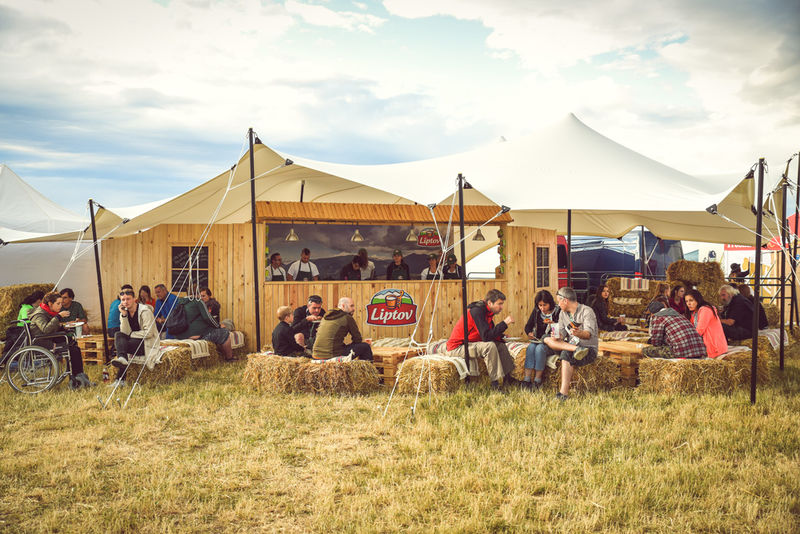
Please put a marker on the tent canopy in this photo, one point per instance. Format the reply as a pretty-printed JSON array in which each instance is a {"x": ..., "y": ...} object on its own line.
[{"x": 565, "y": 166}]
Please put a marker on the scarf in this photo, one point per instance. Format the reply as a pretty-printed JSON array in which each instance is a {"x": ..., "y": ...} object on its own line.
[{"x": 46, "y": 308}]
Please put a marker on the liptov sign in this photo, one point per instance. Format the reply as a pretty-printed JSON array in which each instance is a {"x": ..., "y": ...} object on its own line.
[
  {"x": 391, "y": 307},
  {"x": 429, "y": 237}
]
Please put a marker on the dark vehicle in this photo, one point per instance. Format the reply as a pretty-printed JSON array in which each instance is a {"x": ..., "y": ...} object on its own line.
[{"x": 596, "y": 259}]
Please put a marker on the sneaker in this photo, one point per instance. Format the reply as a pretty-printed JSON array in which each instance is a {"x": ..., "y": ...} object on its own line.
[
  {"x": 526, "y": 385},
  {"x": 74, "y": 383},
  {"x": 122, "y": 360},
  {"x": 84, "y": 380},
  {"x": 580, "y": 353},
  {"x": 561, "y": 397},
  {"x": 118, "y": 382}
]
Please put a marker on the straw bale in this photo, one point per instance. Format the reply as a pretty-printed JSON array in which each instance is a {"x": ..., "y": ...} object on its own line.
[
  {"x": 11, "y": 299},
  {"x": 272, "y": 373},
  {"x": 212, "y": 360},
  {"x": 792, "y": 351},
  {"x": 629, "y": 303},
  {"x": 175, "y": 364},
  {"x": 773, "y": 315},
  {"x": 392, "y": 342},
  {"x": 342, "y": 378},
  {"x": 764, "y": 347},
  {"x": 600, "y": 375},
  {"x": 742, "y": 362},
  {"x": 437, "y": 376},
  {"x": 704, "y": 375},
  {"x": 707, "y": 277}
]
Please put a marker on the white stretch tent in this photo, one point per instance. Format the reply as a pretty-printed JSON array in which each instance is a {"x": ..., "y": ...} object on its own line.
[
  {"x": 565, "y": 166},
  {"x": 27, "y": 214}
]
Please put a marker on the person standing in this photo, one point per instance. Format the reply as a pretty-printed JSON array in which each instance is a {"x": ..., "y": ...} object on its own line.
[
  {"x": 275, "y": 270},
  {"x": 432, "y": 271},
  {"x": 577, "y": 327},
  {"x": 398, "y": 269},
  {"x": 351, "y": 271},
  {"x": 303, "y": 270},
  {"x": 367, "y": 267},
  {"x": 452, "y": 270}
]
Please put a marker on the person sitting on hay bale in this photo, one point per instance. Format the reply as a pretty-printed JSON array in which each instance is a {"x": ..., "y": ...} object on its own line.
[
  {"x": 673, "y": 336},
  {"x": 485, "y": 338},
  {"x": 283, "y": 341},
  {"x": 112, "y": 324},
  {"x": 599, "y": 304},
  {"x": 659, "y": 302},
  {"x": 737, "y": 314},
  {"x": 578, "y": 326},
  {"x": 763, "y": 321},
  {"x": 306, "y": 321},
  {"x": 544, "y": 314},
  {"x": 332, "y": 331},
  {"x": 707, "y": 322},
  {"x": 202, "y": 326},
  {"x": 138, "y": 334},
  {"x": 44, "y": 322},
  {"x": 737, "y": 276},
  {"x": 676, "y": 301}
]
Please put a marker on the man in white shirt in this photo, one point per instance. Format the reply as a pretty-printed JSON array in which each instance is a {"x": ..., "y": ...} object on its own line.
[
  {"x": 303, "y": 270},
  {"x": 275, "y": 270}
]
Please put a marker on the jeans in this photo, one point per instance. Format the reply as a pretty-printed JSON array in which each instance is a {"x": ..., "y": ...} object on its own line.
[
  {"x": 126, "y": 347},
  {"x": 536, "y": 356}
]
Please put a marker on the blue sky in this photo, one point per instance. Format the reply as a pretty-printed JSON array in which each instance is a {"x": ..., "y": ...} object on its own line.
[{"x": 129, "y": 102}]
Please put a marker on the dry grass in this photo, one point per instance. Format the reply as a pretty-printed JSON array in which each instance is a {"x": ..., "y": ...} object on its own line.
[{"x": 204, "y": 455}]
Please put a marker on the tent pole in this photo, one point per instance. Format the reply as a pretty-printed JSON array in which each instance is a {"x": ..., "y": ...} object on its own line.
[
  {"x": 794, "y": 312},
  {"x": 783, "y": 272},
  {"x": 463, "y": 270},
  {"x": 642, "y": 253},
  {"x": 569, "y": 248},
  {"x": 255, "y": 240},
  {"x": 757, "y": 280},
  {"x": 99, "y": 282}
]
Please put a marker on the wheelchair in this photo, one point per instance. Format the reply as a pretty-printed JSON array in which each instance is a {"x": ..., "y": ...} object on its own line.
[{"x": 30, "y": 367}]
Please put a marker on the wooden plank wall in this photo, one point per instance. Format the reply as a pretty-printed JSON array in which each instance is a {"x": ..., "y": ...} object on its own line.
[{"x": 144, "y": 259}]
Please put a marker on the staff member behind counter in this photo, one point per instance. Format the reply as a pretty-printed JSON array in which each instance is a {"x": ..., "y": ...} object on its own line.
[
  {"x": 398, "y": 269},
  {"x": 432, "y": 271},
  {"x": 303, "y": 270},
  {"x": 275, "y": 270}
]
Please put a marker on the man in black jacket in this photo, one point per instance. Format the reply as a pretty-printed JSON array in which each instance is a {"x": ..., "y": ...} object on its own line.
[
  {"x": 737, "y": 314},
  {"x": 306, "y": 320}
]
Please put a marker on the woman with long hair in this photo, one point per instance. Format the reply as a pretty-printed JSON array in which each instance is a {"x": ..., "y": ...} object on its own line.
[
  {"x": 367, "y": 267},
  {"x": 545, "y": 313},
  {"x": 600, "y": 307},
  {"x": 705, "y": 319},
  {"x": 676, "y": 299},
  {"x": 146, "y": 297}
]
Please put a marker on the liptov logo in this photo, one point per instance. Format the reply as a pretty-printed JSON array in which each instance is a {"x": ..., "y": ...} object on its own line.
[
  {"x": 391, "y": 307},
  {"x": 429, "y": 237}
]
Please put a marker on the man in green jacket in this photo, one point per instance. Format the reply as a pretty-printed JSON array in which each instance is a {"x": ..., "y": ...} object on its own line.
[
  {"x": 203, "y": 326},
  {"x": 332, "y": 330}
]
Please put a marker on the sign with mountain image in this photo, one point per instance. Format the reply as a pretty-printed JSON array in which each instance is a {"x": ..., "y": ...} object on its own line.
[{"x": 391, "y": 307}]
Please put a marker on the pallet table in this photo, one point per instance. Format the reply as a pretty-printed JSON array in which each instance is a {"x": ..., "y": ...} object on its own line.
[
  {"x": 626, "y": 354},
  {"x": 388, "y": 359},
  {"x": 92, "y": 348}
]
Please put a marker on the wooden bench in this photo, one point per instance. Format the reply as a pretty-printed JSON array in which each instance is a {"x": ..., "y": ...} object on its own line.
[
  {"x": 92, "y": 348},
  {"x": 626, "y": 354},
  {"x": 388, "y": 359}
]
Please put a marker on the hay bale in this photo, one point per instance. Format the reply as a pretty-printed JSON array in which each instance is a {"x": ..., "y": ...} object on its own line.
[
  {"x": 690, "y": 376},
  {"x": 175, "y": 364},
  {"x": 212, "y": 360},
  {"x": 773, "y": 315},
  {"x": 600, "y": 375},
  {"x": 764, "y": 347},
  {"x": 437, "y": 376},
  {"x": 742, "y": 362},
  {"x": 11, "y": 299},
  {"x": 341, "y": 378},
  {"x": 519, "y": 363},
  {"x": 392, "y": 342},
  {"x": 272, "y": 373},
  {"x": 706, "y": 277},
  {"x": 629, "y": 303}
]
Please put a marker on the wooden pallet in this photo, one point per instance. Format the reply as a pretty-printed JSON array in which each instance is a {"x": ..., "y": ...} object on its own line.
[
  {"x": 92, "y": 348},
  {"x": 388, "y": 359},
  {"x": 626, "y": 354}
]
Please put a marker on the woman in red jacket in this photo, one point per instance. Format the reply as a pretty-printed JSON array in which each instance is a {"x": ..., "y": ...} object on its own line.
[{"x": 705, "y": 319}]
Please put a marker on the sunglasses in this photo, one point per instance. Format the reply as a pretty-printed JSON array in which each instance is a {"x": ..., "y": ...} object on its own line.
[{"x": 127, "y": 292}]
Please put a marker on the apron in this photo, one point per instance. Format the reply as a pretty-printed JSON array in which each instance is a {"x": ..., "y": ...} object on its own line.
[
  {"x": 303, "y": 276},
  {"x": 276, "y": 277},
  {"x": 432, "y": 275},
  {"x": 398, "y": 273}
]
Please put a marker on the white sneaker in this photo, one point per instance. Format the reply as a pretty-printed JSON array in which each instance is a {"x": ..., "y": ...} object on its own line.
[
  {"x": 121, "y": 360},
  {"x": 115, "y": 383}
]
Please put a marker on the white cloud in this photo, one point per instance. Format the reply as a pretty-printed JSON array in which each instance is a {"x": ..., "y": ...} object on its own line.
[{"x": 323, "y": 16}]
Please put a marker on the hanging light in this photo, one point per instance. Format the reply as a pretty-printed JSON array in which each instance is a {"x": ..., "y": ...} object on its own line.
[
  {"x": 357, "y": 236},
  {"x": 292, "y": 236},
  {"x": 478, "y": 236},
  {"x": 411, "y": 235}
]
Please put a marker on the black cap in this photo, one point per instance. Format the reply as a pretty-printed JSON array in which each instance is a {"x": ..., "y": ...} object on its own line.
[
  {"x": 433, "y": 256},
  {"x": 397, "y": 252},
  {"x": 451, "y": 258}
]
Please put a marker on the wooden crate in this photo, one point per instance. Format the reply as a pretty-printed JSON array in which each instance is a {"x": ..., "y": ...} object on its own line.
[
  {"x": 627, "y": 355},
  {"x": 92, "y": 348},
  {"x": 388, "y": 359}
]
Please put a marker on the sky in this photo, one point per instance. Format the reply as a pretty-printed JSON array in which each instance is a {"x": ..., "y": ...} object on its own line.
[{"x": 133, "y": 101}]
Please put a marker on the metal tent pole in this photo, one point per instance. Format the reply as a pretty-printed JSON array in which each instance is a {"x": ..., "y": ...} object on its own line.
[
  {"x": 255, "y": 240},
  {"x": 783, "y": 271},
  {"x": 99, "y": 282},
  {"x": 757, "y": 279},
  {"x": 463, "y": 269},
  {"x": 794, "y": 312},
  {"x": 569, "y": 248}
]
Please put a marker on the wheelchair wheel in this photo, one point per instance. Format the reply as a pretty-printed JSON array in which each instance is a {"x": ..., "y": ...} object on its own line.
[{"x": 32, "y": 370}]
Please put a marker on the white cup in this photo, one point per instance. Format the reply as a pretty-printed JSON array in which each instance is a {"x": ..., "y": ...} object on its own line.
[
  {"x": 79, "y": 330},
  {"x": 554, "y": 331}
]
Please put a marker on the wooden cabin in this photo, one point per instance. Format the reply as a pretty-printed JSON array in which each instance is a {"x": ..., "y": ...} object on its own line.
[{"x": 525, "y": 255}]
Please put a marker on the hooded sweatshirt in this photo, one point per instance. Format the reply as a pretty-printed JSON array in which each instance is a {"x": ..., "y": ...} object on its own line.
[{"x": 330, "y": 335}]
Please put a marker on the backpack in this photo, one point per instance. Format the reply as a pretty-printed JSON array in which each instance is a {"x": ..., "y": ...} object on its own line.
[{"x": 176, "y": 322}]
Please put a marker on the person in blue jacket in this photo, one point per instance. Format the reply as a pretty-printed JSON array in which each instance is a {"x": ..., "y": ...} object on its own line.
[
  {"x": 112, "y": 324},
  {"x": 165, "y": 301}
]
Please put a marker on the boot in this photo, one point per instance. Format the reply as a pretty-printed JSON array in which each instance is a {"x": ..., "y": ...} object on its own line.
[
  {"x": 84, "y": 380},
  {"x": 74, "y": 383}
]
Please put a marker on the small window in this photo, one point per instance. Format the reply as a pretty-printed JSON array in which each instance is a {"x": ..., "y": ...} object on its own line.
[
  {"x": 542, "y": 266},
  {"x": 180, "y": 268}
]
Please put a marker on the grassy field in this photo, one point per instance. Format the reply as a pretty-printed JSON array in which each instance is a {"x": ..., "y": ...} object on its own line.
[{"x": 208, "y": 455}]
